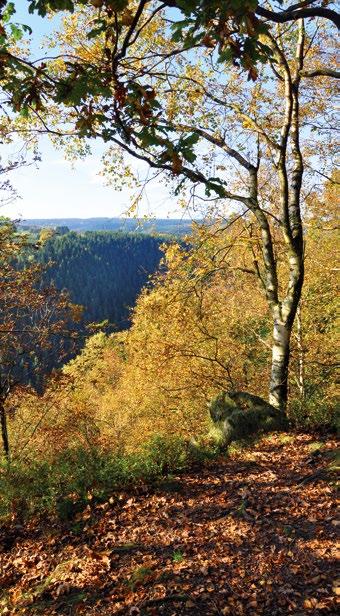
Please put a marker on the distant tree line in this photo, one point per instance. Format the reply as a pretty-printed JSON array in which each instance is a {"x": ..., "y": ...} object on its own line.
[{"x": 178, "y": 226}]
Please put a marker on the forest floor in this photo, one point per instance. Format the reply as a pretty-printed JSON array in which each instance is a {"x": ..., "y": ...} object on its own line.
[{"x": 251, "y": 534}]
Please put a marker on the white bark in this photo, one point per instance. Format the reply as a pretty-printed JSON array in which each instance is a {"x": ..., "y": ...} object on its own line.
[
  {"x": 278, "y": 387},
  {"x": 301, "y": 362}
]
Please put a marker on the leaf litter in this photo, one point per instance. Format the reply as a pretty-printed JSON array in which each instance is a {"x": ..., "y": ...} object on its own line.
[{"x": 256, "y": 534}]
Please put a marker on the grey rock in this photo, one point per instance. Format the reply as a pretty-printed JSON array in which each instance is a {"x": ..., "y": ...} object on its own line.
[{"x": 239, "y": 415}]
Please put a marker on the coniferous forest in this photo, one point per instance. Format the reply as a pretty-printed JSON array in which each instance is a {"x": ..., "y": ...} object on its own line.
[
  {"x": 102, "y": 271},
  {"x": 168, "y": 388},
  {"x": 102, "y": 274}
]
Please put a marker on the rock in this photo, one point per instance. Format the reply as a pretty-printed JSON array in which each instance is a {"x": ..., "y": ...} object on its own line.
[{"x": 239, "y": 414}]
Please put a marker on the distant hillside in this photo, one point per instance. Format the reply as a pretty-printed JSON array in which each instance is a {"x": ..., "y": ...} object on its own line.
[
  {"x": 102, "y": 271},
  {"x": 170, "y": 226}
]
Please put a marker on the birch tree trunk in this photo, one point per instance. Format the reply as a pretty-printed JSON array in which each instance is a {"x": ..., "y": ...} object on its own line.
[
  {"x": 278, "y": 387},
  {"x": 284, "y": 312},
  {"x": 301, "y": 361}
]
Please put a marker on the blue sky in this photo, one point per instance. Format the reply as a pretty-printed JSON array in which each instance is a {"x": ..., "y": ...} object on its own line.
[{"x": 54, "y": 189}]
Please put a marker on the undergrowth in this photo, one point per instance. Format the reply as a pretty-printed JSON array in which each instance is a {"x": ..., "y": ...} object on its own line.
[
  {"x": 76, "y": 477},
  {"x": 79, "y": 476}
]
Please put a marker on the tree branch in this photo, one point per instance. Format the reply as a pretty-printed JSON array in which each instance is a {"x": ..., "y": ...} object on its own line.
[
  {"x": 219, "y": 141},
  {"x": 301, "y": 13},
  {"x": 321, "y": 72}
]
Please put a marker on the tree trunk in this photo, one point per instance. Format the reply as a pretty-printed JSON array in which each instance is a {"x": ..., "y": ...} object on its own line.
[
  {"x": 278, "y": 389},
  {"x": 301, "y": 359},
  {"x": 4, "y": 431}
]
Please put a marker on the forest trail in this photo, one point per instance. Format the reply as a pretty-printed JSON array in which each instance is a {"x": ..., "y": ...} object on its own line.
[{"x": 253, "y": 534}]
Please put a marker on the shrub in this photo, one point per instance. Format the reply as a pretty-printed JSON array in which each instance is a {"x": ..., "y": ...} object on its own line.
[
  {"x": 79, "y": 475},
  {"x": 314, "y": 413},
  {"x": 25, "y": 488},
  {"x": 165, "y": 454}
]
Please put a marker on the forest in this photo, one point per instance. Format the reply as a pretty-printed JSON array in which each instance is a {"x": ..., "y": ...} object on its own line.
[
  {"x": 168, "y": 392},
  {"x": 102, "y": 271}
]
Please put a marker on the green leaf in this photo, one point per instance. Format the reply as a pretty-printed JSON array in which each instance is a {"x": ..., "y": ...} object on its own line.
[
  {"x": 190, "y": 140},
  {"x": 187, "y": 6},
  {"x": 148, "y": 138},
  {"x": 44, "y": 6},
  {"x": 24, "y": 113},
  {"x": 226, "y": 56},
  {"x": 101, "y": 26},
  {"x": 189, "y": 155},
  {"x": 8, "y": 12},
  {"x": 215, "y": 185},
  {"x": 16, "y": 32},
  {"x": 27, "y": 29}
]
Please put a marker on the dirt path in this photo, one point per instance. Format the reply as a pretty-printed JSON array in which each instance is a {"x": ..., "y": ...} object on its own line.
[{"x": 252, "y": 535}]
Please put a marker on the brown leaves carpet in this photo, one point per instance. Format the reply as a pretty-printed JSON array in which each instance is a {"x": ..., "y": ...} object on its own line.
[{"x": 252, "y": 534}]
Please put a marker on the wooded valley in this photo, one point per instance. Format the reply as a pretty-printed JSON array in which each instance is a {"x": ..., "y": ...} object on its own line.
[{"x": 103, "y": 272}]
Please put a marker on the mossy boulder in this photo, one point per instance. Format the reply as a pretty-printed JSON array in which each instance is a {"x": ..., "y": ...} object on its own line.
[{"x": 240, "y": 415}]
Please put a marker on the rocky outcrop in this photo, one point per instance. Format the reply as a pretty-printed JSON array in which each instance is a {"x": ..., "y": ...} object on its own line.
[{"x": 239, "y": 414}]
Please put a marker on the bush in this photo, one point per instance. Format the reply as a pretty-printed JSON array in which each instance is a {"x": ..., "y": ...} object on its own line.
[
  {"x": 79, "y": 476},
  {"x": 165, "y": 454},
  {"x": 25, "y": 488},
  {"x": 314, "y": 413}
]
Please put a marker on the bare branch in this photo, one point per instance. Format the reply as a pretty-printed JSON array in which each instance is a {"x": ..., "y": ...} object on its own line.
[
  {"x": 292, "y": 15},
  {"x": 321, "y": 72}
]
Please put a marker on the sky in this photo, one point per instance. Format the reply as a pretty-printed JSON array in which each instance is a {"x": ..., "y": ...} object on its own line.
[{"x": 54, "y": 189}]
